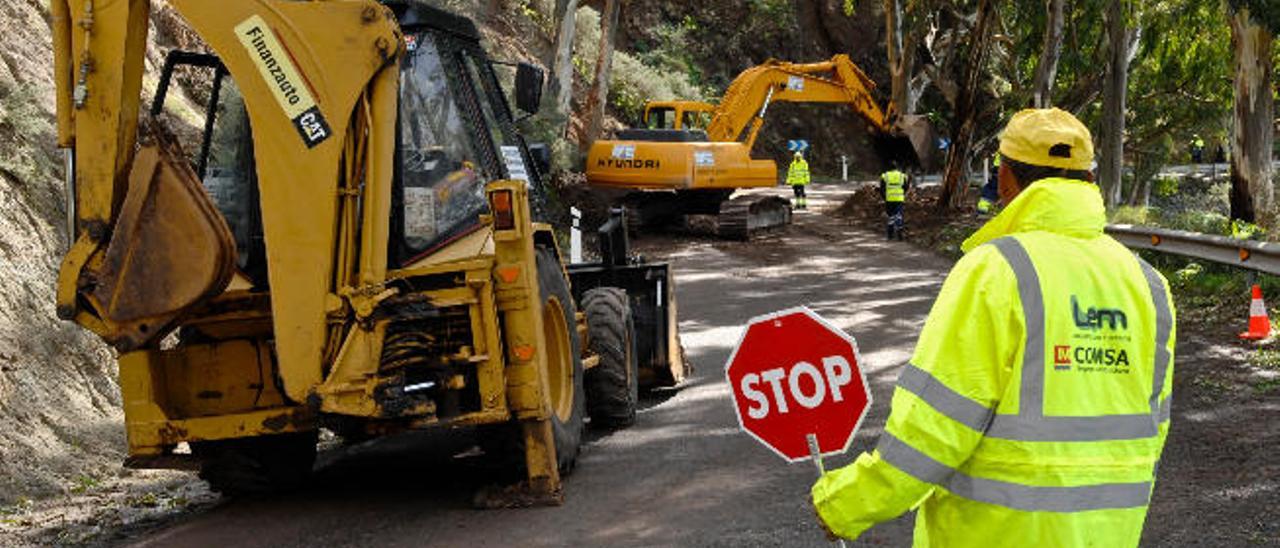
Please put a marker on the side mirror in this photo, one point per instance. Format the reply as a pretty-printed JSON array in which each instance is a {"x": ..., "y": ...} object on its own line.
[{"x": 528, "y": 87}]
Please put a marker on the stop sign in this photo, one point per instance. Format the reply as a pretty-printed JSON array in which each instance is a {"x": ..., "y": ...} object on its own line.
[{"x": 792, "y": 375}]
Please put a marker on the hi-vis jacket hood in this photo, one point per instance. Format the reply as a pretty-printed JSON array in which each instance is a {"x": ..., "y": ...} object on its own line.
[{"x": 1063, "y": 206}]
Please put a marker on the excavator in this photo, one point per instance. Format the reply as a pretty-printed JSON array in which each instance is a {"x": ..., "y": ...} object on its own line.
[
  {"x": 353, "y": 239},
  {"x": 690, "y": 156}
]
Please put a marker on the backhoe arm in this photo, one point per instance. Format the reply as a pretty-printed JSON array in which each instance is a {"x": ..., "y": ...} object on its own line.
[{"x": 149, "y": 247}]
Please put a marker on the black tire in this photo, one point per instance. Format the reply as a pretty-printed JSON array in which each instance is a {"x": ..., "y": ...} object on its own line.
[
  {"x": 257, "y": 466},
  {"x": 613, "y": 386},
  {"x": 504, "y": 444},
  {"x": 567, "y": 433}
]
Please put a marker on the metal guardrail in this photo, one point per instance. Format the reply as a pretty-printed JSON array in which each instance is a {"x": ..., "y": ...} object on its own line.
[{"x": 1260, "y": 256}]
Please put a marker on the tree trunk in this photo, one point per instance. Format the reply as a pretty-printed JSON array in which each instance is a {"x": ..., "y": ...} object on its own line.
[
  {"x": 599, "y": 96},
  {"x": 1114, "y": 89},
  {"x": 1047, "y": 70},
  {"x": 1251, "y": 192},
  {"x": 954, "y": 183},
  {"x": 560, "y": 85},
  {"x": 901, "y": 61}
]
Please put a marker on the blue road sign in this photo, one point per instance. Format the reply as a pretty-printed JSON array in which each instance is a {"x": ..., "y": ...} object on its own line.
[{"x": 797, "y": 145}]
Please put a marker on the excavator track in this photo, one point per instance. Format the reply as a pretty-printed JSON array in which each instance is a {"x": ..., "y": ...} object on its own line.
[{"x": 742, "y": 217}]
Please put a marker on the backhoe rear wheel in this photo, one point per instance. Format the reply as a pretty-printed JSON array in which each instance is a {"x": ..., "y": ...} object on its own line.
[
  {"x": 564, "y": 359},
  {"x": 257, "y": 466},
  {"x": 505, "y": 443},
  {"x": 613, "y": 386}
]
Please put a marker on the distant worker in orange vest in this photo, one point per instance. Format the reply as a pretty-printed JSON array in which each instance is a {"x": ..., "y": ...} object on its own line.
[{"x": 798, "y": 178}]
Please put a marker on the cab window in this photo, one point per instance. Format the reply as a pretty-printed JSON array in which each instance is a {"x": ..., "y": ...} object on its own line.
[
  {"x": 442, "y": 176},
  {"x": 661, "y": 118}
]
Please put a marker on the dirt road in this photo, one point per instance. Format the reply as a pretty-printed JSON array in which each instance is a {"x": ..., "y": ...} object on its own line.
[{"x": 685, "y": 476}]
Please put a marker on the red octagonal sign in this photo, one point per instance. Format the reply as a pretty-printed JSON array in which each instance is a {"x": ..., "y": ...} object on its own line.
[{"x": 794, "y": 374}]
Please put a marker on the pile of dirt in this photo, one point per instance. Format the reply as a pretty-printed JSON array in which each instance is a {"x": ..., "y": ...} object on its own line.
[{"x": 942, "y": 231}]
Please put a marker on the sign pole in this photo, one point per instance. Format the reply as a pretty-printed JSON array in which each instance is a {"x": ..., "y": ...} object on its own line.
[{"x": 817, "y": 461}]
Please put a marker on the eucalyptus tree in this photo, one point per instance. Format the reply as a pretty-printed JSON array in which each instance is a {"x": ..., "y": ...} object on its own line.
[{"x": 1253, "y": 27}]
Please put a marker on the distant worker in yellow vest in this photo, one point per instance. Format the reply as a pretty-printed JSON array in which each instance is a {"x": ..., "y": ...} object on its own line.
[
  {"x": 990, "y": 190},
  {"x": 893, "y": 188},
  {"x": 1035, "y": 408},
  {"x": 798, "y": 178},
  {"x": 1197, "y": 149}
]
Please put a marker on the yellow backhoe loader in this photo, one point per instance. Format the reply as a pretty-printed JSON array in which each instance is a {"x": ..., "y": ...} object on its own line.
[
  {"x": 690, "y": 156},
  {"x": 352, "y": 241}
]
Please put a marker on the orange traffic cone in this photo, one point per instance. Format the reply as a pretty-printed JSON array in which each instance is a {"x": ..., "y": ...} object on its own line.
[{"x": 1259, "y": 324}]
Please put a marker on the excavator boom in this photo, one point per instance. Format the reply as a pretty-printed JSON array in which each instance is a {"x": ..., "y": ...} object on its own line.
[{"x": 836, "y": 81}]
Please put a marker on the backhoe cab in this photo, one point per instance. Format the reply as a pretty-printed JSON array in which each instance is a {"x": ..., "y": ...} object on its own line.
[{"x": 351, "y": 239}]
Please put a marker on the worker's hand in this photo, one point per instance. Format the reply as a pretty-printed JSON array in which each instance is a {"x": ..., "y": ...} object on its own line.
[{"x": 831, "y": 537}]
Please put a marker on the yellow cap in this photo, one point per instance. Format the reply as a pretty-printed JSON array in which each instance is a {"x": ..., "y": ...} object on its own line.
[{"x": 1048, "y": 137}]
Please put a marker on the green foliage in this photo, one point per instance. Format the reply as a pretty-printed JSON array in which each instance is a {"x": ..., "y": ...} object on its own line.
[
  {"x": 1267, "y": 358},
  {"x": 633, "y": 80},
  {"x": 1179, "y": 82},
  {"x": 668, "y": 48},
  {"x": 1266, "y": 385},
  {"x": 849, "y": 8},
  {"x": 1166, "y": 186},
  {"x": 1127, "y": 215},
  {"x": 85, "y": 483},
  {"x": 781, "y": 10},
  {"x": 22, "y": 505}
]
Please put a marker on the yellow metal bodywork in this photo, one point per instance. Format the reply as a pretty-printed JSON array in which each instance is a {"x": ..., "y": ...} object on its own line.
[
  {"x": 725, "y": 161},
  {"x": 320, "y": 83},
  {"x": 677, "y": 166}
]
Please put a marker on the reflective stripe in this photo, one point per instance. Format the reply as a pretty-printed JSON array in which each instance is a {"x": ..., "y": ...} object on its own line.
[
  {"x": 1095, "y": 428},
  {"x": 954, "y": 405},
  {"x": 910, "y": 460},
  {"x": 1164, "y": 329},
  {"x": 1030, "y": 423},
  {"x": 1165, "y": 410},
  {"x": 1035, "y": 498},
  {"x": 1031, "y": 397},
  {"x": 1028, "y": 498}
]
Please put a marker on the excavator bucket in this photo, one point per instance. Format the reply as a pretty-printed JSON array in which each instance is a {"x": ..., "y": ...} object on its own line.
[{"x": 910, "y": 143}]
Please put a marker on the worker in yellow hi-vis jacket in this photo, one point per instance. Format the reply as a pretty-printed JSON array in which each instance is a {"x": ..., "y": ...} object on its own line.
[
  {"x": 798, "y": 178},
  {"x": 1037, "y": 403}
]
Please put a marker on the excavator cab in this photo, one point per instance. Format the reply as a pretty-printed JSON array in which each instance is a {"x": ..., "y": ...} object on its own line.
[{"x": 683, "y": 115}]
